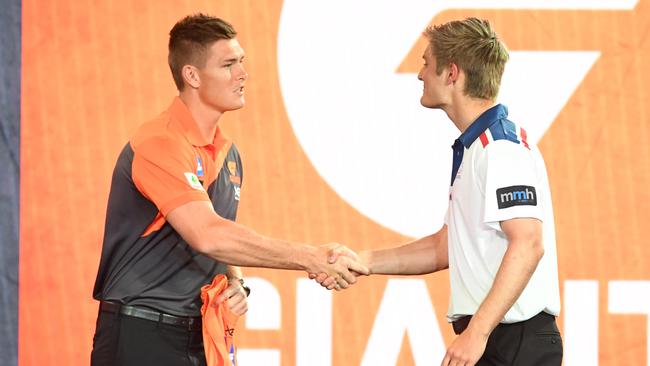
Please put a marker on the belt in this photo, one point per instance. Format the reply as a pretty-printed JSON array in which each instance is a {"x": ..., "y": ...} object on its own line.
[
  {"x": 190, "y": 323},
  {"x": 461, "y": 323}
]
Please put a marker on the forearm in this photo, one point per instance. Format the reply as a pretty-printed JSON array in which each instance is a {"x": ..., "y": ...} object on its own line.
[
  {"x": 517, "y": 267},
  {"x": 425, "y": 255},
  {"x": 231, "y": 243},
  {"x": 234, "y": 244}
]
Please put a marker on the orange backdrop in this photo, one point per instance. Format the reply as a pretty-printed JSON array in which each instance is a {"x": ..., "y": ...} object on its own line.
[{"x": 94, "y": 70}]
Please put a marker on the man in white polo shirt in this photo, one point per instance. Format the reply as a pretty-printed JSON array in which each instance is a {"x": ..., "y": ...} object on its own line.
[{"x": 498, "y": 240}]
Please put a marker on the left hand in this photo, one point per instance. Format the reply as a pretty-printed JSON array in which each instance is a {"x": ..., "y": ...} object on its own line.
[
  {"x": 235, "y": 295},
  {"x": 466, "y": 349}
]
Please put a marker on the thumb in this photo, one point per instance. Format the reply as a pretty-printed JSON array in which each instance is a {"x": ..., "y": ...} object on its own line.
[{"x": 333, "y": 257}]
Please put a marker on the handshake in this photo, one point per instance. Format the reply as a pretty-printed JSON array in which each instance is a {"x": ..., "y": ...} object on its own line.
[{"x": 337, "y": 267}]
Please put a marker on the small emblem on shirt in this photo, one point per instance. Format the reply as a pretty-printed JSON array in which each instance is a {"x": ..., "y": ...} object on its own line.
[
  {"x": 516, "y": 196},
  {"x": 199, "y": 166},
  {"x": 232, "y": 169},
  {"x": 232, "y": 354},
  {"x": 193, "y": 180}
]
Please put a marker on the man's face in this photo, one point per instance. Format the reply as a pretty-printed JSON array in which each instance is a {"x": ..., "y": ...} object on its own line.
[
  {"x": 223, "y": 76},
  {"x": 434, "y": 93}
]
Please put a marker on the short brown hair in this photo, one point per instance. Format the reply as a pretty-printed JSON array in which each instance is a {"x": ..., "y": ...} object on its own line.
[
  {"x": 475, "y": 48},
  {"x": 189, "y": 40}
]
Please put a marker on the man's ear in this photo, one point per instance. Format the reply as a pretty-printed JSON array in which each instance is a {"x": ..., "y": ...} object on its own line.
[
  {"x": 191, "y": 76},
  {"x": 452, "y": 73}
]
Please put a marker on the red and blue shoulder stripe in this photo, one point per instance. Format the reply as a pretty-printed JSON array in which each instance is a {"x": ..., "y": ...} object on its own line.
[{"x": 504, "y": 130}]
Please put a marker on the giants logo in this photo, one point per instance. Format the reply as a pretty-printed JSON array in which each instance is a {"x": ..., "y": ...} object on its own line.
[{"x": 356, "y": 85}]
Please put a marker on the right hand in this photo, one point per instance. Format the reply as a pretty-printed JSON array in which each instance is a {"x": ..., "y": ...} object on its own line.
[
  {"x": 336, "y": 266},
  {"x": 338, "y": 252}
]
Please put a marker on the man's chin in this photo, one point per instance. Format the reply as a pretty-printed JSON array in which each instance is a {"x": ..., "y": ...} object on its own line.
[
  {"x": 427, "y": 104},
  {"x": 237, "y": 106}
]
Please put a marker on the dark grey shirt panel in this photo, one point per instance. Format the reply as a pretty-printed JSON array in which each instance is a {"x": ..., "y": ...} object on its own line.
[
  {"x": 10, "y": 56},
  {"x": 160, "y": 270}
]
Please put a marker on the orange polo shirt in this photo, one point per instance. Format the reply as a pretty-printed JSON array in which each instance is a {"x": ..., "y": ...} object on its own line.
[{"x": 166, "y": 164}]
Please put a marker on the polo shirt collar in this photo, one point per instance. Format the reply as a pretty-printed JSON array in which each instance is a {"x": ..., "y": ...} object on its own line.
[
  {"x": 482, "y": 123},
  {"x": 181, "y": 113}
]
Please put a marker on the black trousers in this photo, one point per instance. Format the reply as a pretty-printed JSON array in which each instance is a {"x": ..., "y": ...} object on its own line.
[
  {"x": 122, "y": 340},
  {"x": 534, "y": 342}
]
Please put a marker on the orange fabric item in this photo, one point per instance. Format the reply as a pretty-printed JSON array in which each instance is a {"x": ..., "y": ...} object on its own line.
[{"x": 218, "y": 325}]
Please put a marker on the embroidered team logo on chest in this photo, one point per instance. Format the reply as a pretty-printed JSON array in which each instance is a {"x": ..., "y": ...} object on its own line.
[
  {"x": 234, "y": 178},
  {"x": 232, "y": 169}
]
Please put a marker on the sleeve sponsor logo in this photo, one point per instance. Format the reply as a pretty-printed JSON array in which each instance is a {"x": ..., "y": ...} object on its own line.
[
  {"x": 516, "y": 196},
  {"x": 194, "y": 182}
]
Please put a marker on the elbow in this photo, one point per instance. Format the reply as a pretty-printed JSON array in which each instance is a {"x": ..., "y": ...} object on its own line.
[
  {"x": 213, "y": 242},
  {"x": 204, "y": 242},
  {"x": 209, "y": 239},
  {"x": 201, "y": 245},
  {"x": 532, "y": 250},
  {"x": 538, "y": 249}
]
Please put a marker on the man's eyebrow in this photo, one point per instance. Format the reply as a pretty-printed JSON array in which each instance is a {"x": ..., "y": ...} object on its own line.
[{"x": 233, "y": 59}]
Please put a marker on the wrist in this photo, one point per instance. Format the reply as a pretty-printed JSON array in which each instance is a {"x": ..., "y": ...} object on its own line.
[
  {"x": 240, "y": 281},
  {"x": 307, "y": 257},
  {"x": 233, "y": 273},
  {"x": 365, "y": 258},
  {"x": 477, "y": 326}
]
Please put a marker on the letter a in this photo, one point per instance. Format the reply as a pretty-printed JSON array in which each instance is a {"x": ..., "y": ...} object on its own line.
[{"x": 395, "y": 318}]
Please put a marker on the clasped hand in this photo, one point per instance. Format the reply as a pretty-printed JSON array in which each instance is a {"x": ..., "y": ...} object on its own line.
[{"x": 341, "y": 269}]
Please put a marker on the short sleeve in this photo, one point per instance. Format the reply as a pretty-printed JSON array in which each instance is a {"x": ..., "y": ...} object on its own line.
[
  {"x": 164, "y": 172},
  {"x": 511, "y": 184},
  {"x": 446, "y": 218}
]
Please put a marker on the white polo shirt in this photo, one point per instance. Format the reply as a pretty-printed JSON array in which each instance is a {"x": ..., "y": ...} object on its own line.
[{"x": 500, "y": 177}]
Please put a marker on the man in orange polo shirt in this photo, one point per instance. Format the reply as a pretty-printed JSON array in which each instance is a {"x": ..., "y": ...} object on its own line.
[{"x": 170, "y": 220}]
